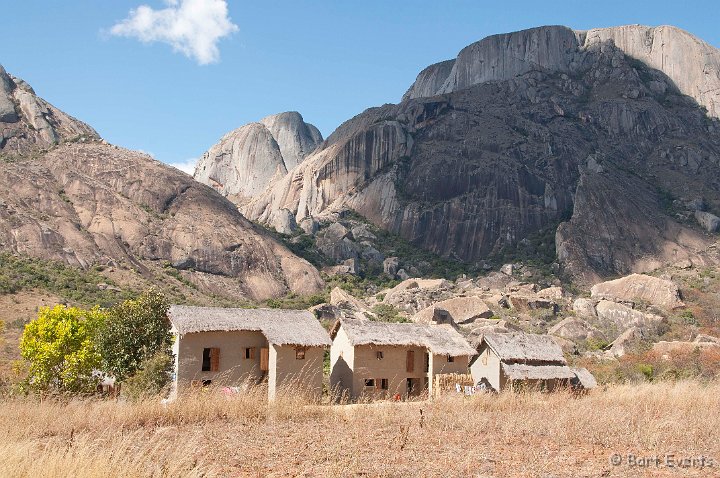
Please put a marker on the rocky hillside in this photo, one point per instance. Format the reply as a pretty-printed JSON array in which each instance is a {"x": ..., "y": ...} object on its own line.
[
  {"x": 70, "y": 198},
  {"x": 609, "y": 137}
]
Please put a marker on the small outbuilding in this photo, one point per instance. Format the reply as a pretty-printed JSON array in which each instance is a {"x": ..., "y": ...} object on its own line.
[
  {"x": 232, "y": 347},
  {"x": 373, "y": 360},
  {"x": 512, "y": 360}
]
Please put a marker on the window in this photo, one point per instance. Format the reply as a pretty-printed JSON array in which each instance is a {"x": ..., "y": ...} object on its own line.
[
  {"x": 206, "y": 360},
  {"x": 211, "y": 359},
  {"x": 379, "y": 355},
  {"x": 450, "y": 358},
  {"x": 369, "y": 382},
  {"x": 384, "y": 383},
  {"x": 410, "y": 361},
  {"x": 300, "y": 353},
  {"x": 250, "y": 353}
]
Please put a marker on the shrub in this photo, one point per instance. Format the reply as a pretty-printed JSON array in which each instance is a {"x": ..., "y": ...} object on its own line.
[{"x": 151, "y": 379}]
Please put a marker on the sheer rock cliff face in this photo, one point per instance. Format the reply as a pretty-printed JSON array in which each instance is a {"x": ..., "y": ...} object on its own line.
[
  {"x": 692, "y": 65},
  {"x": 529, "y": 130},
  {"x": 248, "y": 159},
  {"x": 86, "y": 202}
]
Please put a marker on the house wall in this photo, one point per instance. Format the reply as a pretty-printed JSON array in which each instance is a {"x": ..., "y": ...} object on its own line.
[
  {"x": 234, "y": 368},
  {"x": 296, "y": 375},
  {"x": 342, "y": 355},
  {"x": 393, "y": 367},
  {"x": 487, "y": 365}
]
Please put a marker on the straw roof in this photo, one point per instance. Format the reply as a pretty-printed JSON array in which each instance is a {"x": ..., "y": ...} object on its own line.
[
  {"x": 521, "y": 371},
  {"x": 439, "y": 339},
  {"x": 585, "y": 378},
  {"x": 280, "y": 327},
  {"x": 520, "y": 347}
]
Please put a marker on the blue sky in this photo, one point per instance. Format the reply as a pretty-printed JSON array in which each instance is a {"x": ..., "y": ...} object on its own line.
[{"x": 177, "y": 93}]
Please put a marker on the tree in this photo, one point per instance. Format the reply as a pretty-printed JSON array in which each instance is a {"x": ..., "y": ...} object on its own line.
[
  {"x": 59, "y": 349},
  {"x": 134, "y": 331}
]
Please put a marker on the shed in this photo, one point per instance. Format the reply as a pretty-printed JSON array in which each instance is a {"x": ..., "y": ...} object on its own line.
[{"x": 518, "y": 359}]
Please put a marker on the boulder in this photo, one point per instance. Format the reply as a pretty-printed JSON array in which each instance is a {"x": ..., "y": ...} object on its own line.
[
  {"x": 622, "y": 316},
  {"x": 402, "y": 275},
  {"x": 309, "y": 225},
  {"x": 494, "y": 280},
  {"x": 665, "y": 348},
  {"x": 326, "y": 311},
  {"x": 640, "y": 287},
  {"x": 584, "y": 308},
  {"x": 390, "y": 266},
  {"x": 576, "y": 330},
  {"x": 702, "y": 338},
  {"x": 567, "y": 346},
  {"x": 283, "y": 221},
  {"x": 361, "y": 233},
  {"x": 710, "y": 222},
  {"x": 349, "y": 304},
  {"x": 524, "y": 303},
  {"x": 461, "y": 310},
  {"x": 335, "y": 242},
  {"x": 551, "y": 293},
  {"x": 626, "y": 340},
  {"x": 507, "y": 269}
]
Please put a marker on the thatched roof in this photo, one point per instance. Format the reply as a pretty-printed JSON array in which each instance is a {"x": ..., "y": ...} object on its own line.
[
  {"x": 585, "y": 378},
  {"x": 521, "y": 371},
  {"x": 520, "y": 347},
  {"x": 439, "y": 339},
  {"x": 280, "y": 327}
]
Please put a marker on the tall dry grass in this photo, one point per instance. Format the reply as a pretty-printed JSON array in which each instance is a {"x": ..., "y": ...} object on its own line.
[{"x": 210, "y": 434}]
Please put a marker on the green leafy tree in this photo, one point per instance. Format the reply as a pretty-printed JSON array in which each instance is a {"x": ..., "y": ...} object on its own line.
[
  {"x": 59, "y": 349},
  {"x": 152, "y": 378},
  {"x": 135, "y": 330}
]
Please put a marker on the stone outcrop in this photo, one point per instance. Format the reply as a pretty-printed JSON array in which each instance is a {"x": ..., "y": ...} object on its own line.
[
  {"x": 245, "y": 161},
  {"x": 29, "y": 124},
  {"x": 662, "y": 293}
]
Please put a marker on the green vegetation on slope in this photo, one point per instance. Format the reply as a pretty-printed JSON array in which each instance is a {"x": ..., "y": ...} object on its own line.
[{"x": 70, "y": 283}]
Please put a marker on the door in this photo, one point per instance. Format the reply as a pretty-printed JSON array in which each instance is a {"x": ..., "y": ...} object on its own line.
[{"x": 264, "y": 359}]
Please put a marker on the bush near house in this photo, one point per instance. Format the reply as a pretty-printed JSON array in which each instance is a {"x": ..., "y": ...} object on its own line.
[
  {"x": 59, "y": 350},
  {"x": 136, "y": 330},
  {"x": 151, "y": 379}
]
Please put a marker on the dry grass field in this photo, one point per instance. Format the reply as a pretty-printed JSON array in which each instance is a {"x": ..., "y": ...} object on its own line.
[{"x": 508, "y": 435}]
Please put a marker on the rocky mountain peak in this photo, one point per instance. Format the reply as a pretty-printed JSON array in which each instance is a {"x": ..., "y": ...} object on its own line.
[
  {"x": 245, "y": 161},
  {"x": 29, "y": 123},
  {"x": 690, "y": 63}
]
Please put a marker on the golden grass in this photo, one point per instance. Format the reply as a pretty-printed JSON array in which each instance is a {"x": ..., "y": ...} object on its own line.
[{"x": 208, "y": 434}]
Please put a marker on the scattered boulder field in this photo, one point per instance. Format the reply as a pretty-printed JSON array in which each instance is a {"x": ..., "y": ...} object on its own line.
[{"x": 615, "y": 318}]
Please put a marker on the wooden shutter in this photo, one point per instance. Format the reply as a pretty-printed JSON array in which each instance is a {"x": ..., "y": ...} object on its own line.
[
  {"x": 264, "y": 359},
  {"x": 214, "y": 359},
  {"x": 251, "y": 351},
  {"x": 410, "y": 362}
]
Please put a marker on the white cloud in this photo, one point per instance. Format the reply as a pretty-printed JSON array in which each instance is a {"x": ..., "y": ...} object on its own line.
[
  {"x": 192, "y": 27},
  {"x": 187, "y": 166}
]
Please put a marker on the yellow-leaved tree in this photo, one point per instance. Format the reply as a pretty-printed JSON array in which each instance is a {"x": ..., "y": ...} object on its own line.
[{"x": 59, "y": 349}]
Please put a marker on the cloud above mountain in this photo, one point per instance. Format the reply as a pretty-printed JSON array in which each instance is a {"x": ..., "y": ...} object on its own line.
[{"x": 192, "y": 27}]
